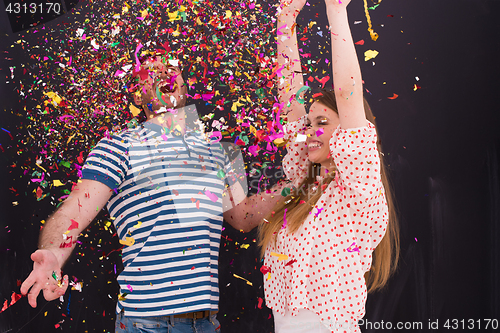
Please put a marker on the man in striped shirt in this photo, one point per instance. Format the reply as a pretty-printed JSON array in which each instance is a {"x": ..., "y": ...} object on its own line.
[{"x": 167, "y": 188}]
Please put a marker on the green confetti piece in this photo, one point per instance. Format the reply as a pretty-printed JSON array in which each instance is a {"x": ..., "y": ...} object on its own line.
[
  {"x": 65, "y": 164},
  {"x": 260, "y": 93},
  {"x": 244, "y": 138},
  {"x": 114, "y": 44},
  {"x": 285, "y": 192},
  {"x": 221, "y": 174}
]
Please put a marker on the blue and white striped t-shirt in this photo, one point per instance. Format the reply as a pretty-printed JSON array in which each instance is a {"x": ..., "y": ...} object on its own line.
[{"x": 164, "y": 190}]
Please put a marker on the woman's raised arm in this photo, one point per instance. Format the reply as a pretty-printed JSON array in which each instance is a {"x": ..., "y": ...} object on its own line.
[
  {"x": 347, "y": 79},
  {"x": 290, "y": 80}
]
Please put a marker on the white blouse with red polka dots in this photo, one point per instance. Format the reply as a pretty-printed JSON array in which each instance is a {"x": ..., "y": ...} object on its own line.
[{"x": 321, "y": 266}]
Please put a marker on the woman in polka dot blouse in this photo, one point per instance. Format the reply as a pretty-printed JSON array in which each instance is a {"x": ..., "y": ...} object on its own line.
[{"x": 335, "y": 235}]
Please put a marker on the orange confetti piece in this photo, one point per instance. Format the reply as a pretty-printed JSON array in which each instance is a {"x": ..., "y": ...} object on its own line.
[
  {"x": 279, "y": 255},
  {"x": 393, "y": 97}
]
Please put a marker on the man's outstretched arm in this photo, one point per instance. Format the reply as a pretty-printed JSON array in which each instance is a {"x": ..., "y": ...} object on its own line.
[{"x": 58, "y": 238}]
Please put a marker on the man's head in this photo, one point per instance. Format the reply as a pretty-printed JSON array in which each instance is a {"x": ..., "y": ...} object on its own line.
[{"x": 157, "y": 85}]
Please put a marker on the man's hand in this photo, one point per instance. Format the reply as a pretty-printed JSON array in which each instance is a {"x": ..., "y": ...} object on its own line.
[{"x": 46, "y": 276}]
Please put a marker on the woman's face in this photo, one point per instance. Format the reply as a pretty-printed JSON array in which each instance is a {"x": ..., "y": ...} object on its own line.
[{"x": 321, "y": 122}]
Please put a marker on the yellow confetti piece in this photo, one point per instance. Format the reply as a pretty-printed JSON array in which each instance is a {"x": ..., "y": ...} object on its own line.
[
  {"x": 268, "y": 276},
  {"x": 373, "y": 34},
  {"x": 370, "y": 54},
  {"x": 38, "y": 165},
  {"x": 135, "y": 111},
  {"x": 129, "y": 241},
  {"x": 138, "y": 224},
  {"x": 235, "y": 106},
  {"x": 239, "y": 277},
  {"x": 57, "y": 182},
  {"x": 279, "y": 255},
  {"x": 228, "y": 14},
  {"x": 245, "y": 246}
]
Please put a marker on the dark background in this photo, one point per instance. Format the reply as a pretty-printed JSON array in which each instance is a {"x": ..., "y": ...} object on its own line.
[{"x": 442, "y": 145}]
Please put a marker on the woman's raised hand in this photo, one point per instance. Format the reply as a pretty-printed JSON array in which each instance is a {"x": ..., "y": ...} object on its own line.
[
  {"x": 292, "y": 6},
  {"x": 337, "y": 3}
]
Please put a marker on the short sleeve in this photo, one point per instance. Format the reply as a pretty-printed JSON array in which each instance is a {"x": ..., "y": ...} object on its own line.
[
  {"x": 357, "y": 159},
  {"x": 108, "y": 162},
  {"x": 295, "y": 162}
]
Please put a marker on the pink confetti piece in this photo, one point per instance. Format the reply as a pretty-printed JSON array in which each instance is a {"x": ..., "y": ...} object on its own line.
[
  {"x": 279, "y": 29},
  {"x": 129, "y": 287},
  {"x": 351, "y": 249},
  {"x": 137, "y": 62},
  {"x": 216, "y": 134},
  {"x": 254, "y": 150},
  {"x": 118, "y": 73},
  {"x": 164, "y": 137},
  {"x": 284, "y": 220},
  {"x": 319, "y": 132},
  {"x": 211, "y": 196},
  {"x": 319, "y": 211}
]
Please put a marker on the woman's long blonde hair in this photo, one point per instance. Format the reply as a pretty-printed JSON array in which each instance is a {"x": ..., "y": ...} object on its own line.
[{"x": 298, "y": 205}]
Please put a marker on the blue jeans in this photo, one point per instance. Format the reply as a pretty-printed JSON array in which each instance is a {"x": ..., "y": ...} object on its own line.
[{"x": 166, "y": 324}]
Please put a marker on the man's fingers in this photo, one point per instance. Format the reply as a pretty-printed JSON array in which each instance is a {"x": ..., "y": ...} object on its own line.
[
  {"x": 28, "y": 283},
  {"x": 33, "y": 294}
]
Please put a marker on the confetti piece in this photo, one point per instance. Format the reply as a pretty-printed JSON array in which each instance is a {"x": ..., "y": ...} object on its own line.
[
  {"x": 370, "y": 54},
  {"x": 285, "y": 192},
  {"x": 129, "y": 287},
  {"x": 13, "y": 299},
  {"x": 129, "y": 241},
  {"x": 373, "y": 34},
  {"x": 74, "y": 225},
  {"x": 393, "y": 97},
  {"x": 216, "y": 134},
  {"x": 245, "y": 246},
  {"x": 319, "y": 211},
  {"x": 297, "y": 95},
  {"x": 260, "y": 303},
  {"x": 284, "y": 220},
  {"x": 122, "y": 297},
  {"x": 319, "y": 132},
  {"x": 351, "y": 249},
  {"x": 221, "y": 174},
  {"x": 322, "y": 81},
  {"x": 137, "y": 225},
  {"x": 280, "y": 256},
  {"x": 239, "y": 277},
  {"x": 57, "y": 183},
  {"x": 268, "y": 276},
  {"x": 211, "y": 196},
  {"x": 291, "y": 262},
  {"x": 264, "y": 269},
  {"x": 361, "y": 42}
]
